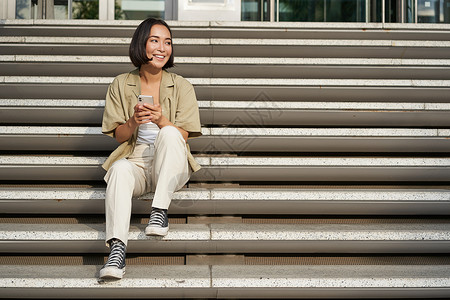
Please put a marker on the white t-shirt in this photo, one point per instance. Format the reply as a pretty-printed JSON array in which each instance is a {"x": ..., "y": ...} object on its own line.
[{"x": 147, "y": 133}]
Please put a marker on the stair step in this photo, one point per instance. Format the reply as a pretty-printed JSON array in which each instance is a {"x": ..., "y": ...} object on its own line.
[
  {"x": 261, "y": 112},
  {"x": 243, "y": 88},
  {"x": 370, "y": 68},
  {"x": 196, "y": 60},
  {"x": 228, "y": 168},
  {"x": 229, "y": 46},
  {"x": 131, "y": 259},
  {"x": 222, "y": 282},
  {"x": 228, "y": 201},
  {"x": 234, "y": 238},
  {"x": 238, "y": 140},
  {"x": 224, "y": 259},
  {"x": 279, "y": 82}
]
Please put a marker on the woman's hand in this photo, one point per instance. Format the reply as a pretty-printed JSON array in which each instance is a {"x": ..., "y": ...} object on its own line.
[
  {"x": 142, "y": 114},
  {"x": 124, "y": 131},
  {"x": 153, "y": 113},
  {"x": 156, "y": 117}
]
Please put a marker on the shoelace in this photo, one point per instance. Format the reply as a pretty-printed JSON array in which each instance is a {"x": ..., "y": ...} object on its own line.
[
  {"x": 158, "y": 217},
  {"x": 117, "y": 256}
]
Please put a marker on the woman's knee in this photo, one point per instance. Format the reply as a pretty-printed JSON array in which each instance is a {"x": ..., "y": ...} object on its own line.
[
  {"x": 122, "y": 166},
  {"x": 169, "y": 132}
]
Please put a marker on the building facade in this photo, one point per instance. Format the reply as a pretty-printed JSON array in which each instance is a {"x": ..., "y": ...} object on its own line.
[{"x": 384, "y": 11}]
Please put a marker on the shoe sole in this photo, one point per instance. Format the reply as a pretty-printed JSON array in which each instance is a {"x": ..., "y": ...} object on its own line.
[
  {"x": 158, "y": 231},
  {"x": 111, "y": 273}
]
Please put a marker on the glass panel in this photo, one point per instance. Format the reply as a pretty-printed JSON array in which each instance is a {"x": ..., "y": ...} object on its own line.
[
  {"x": 61, "y": 9},
  {"x": 255, "y": 10},
  {"x": 375, "y": 7},
  {"x": 323, "y": 10},
  {"x": 433, "y": 11},
  {"x": 85, "y": 9},
  {"x": 139, "y": 9},
  {"x": 410, "y": 11},
  {"x": 302, "y": 10},
  {"x": 446, "y": 10},
  {"x": 23, "y": 9},
  {"x": 393, "y": 11},
  {"x": 345, "y": 11},
  {"x": 38, "y": 9}
]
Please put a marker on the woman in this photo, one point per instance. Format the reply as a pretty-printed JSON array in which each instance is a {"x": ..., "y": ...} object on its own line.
[{"x": 153, "y": 154}]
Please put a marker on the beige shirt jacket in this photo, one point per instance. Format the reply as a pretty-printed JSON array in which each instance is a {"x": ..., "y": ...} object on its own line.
[{"x": 177, "y": 100}]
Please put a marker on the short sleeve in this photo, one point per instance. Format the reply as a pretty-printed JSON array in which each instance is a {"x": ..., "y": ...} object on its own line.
[
  {"x": 187, "y": 114},
  {"x": 113, "y": 114}
]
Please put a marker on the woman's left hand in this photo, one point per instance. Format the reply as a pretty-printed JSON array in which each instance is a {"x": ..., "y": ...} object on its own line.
[{"x": 155, "y": 113}]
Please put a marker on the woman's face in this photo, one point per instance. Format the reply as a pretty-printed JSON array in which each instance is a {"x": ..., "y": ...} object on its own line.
[{"x": 159, "y": 46}]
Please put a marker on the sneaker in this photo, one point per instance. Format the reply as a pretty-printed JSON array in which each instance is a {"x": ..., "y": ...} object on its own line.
[
  {"x": 114, "y": 267},
  {"x": 158, "y": 223}
]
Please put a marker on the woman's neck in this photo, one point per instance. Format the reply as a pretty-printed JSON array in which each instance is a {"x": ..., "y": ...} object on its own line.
[{"x": 149, "y": 75}]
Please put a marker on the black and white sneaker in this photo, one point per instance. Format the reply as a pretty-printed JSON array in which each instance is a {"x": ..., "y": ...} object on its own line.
[
  {"x": 114, "y": 268},
  {"x": 158, "y": 223}
]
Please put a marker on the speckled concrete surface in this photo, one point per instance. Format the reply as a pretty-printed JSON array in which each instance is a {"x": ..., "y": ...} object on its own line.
[
  {"x": 245, "y": 161},
  {"x": 402, "y": 106},
  {"x": 52, "y": 103},
  {"x": 237, "y": 232},
  {"x": 50, "y": 160},
  {"x": 388, "y": 276},
  {"x": 86, "y": 277},
  {"x": 241, "y": 81},
  {"x": 96, "y": 232},
  {"x": 89, "y": 40},
  {"x": 330, "y": 195},
  {"x": 278, "y": 132},
  {"x": 235, "y": 60},
  {"x": 328, "y": 232},
  {"x": 329, "y": 161},
  {"x": 331, "y": 276},
  {"x": 279, "y": 194}
]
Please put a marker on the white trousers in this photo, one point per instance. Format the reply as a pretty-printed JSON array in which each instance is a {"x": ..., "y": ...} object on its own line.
[{"x": 161, "y": 168}]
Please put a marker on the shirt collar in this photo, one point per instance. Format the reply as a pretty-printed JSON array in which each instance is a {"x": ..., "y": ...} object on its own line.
[{"x": 134, "y": 82}]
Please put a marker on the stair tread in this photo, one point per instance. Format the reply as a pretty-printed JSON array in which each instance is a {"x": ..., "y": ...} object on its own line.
[
  {"x": 335, "y": 200},
  {"x": 238, "y": 193},
  {"x": 221, "y": 281},
  {"x": 248, "y": 161},
  {"x": 358, "y": 62},
  {"x": 245, "y": 131},
  {"x": 428, "y": 83},
  {"x": 28, "y": 39},
  {"x": 225, "y": 276},
  {"x": 237, "y": 232},
  {"x": 225, "y": 168},
  {"x": 245, "y": 105}
]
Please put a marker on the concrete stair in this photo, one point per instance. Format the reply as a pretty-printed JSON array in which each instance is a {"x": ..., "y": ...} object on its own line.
[
  {"x": 325, "y": 163},
  {"x": 222, "y": 281}
]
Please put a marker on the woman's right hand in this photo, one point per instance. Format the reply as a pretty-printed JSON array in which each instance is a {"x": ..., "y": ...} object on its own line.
[
  {"x": 125, "y": 131},
  {"x": 141, "y": 115}
]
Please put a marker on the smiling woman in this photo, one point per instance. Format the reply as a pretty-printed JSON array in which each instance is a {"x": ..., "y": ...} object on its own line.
[
  {"x": 144, "y": 36},
  {"x": 153, "y": 155}
]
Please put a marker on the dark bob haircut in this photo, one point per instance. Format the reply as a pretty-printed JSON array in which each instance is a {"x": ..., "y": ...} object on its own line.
[{"x": 138, "y": 43}]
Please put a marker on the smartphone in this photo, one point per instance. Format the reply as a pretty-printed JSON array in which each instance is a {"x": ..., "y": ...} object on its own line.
[{"x": 145, "y": 99}]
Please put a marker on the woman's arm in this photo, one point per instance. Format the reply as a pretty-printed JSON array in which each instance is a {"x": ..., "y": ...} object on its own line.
[
  {"x": 157, "y": 117},
  {"x": 124, "y": 131}
]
